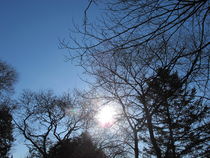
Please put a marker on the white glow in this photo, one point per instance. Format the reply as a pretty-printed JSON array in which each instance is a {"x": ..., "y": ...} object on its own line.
[{"x": 106, "y": 116}]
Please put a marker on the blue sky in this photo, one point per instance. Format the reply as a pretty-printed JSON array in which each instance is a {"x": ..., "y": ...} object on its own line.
[{"x": 29, "y": 32}]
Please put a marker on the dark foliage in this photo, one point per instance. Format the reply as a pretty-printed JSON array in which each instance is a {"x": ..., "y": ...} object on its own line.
[
  {"x": 80, "y": 147},
  {"x": 177, "y": 122},
  {"x": 6, "y": 129},
  {"x": 7, "y": 79}
]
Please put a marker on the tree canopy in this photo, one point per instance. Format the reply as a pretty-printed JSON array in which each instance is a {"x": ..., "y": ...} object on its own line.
[
  {"x": 6, "y": 128},
  {"x": 8, "y": 77},
  {"x": 78, "y": 147},
  {"x": 177, "y": 121},
  {"x": 152, "y": 58},
  {"x": 44, "y": 118}
]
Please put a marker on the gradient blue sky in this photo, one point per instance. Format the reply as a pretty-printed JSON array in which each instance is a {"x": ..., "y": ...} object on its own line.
[{"x": 29, "y": 32}]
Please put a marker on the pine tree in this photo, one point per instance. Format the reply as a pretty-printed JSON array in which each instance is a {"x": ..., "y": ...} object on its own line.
[
  {"x": 180, "y": 123},
  {"x": 78, "y": 147},
  {"x": 7, "y": 79}
]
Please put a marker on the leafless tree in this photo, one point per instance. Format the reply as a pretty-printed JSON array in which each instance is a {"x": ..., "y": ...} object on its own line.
[
  {"x": 44, "y": 119},
  {"x": 127, "y": 25},
  {"x": 109, "y": 138},
  {"x": 132, "y": 41},
  {"x": 122, "y": 77}
]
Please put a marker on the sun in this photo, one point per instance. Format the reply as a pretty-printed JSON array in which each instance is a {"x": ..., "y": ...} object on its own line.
[{"x": 106, "y": 116}]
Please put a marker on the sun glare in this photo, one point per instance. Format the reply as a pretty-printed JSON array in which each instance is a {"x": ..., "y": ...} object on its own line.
[{"x": 106, "y": 116}]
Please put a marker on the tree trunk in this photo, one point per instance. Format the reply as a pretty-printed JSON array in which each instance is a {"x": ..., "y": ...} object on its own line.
[
  {"x": 172, "y": 146},
  {"x": 136, "y": 146},
  {"x": 151, "y": 132}
]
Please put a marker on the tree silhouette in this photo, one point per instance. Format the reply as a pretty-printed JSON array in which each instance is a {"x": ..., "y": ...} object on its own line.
[
  {"x": 6, "y": 129},
  {"x": 126, "y": 47},
  {"x": 79, "y": 147},
  {"x": 143, "y": 21},
  {"x": 44, "y": 118},
  {"x": 128, "y": 26},
  {"x": 177, "y": 121},
  {"x": 7, "y": 79}
]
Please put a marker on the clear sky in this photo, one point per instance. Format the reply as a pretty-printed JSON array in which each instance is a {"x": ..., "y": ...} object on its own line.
[{"x": 29, "y": 32}]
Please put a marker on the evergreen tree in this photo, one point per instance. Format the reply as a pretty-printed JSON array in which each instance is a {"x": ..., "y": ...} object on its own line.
[
  {"x": 79, "y": 147},
  {"x": 180, "y": 123},
  {"x": 7, "y": 79},
  {"x": 5, "y": 131}
]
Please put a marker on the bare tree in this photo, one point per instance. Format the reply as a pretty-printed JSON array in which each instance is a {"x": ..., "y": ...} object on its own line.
[
  {"x": 127, "y": 25},
  {"x": 123, "y": 77},
  {"x": 43, "y": 119},
  {"x": 107, "y": 137},
  {"x": 135, "y": 22},
  {"x": 132, "y": 41}
]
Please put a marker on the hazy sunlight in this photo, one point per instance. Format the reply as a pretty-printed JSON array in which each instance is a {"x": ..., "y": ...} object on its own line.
[{"x": 106, "y": 116}]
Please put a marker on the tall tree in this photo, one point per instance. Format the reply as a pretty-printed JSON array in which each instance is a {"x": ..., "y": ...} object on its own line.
[
  {"x": 135, "y": 38},
  {"x": 127, "y": 25},
  {"x": 177, "y": 121},
  {"x": 123, "y": 77},
  {"x": 6, "y": 129},
  {"x": 7, "y": 79}
]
